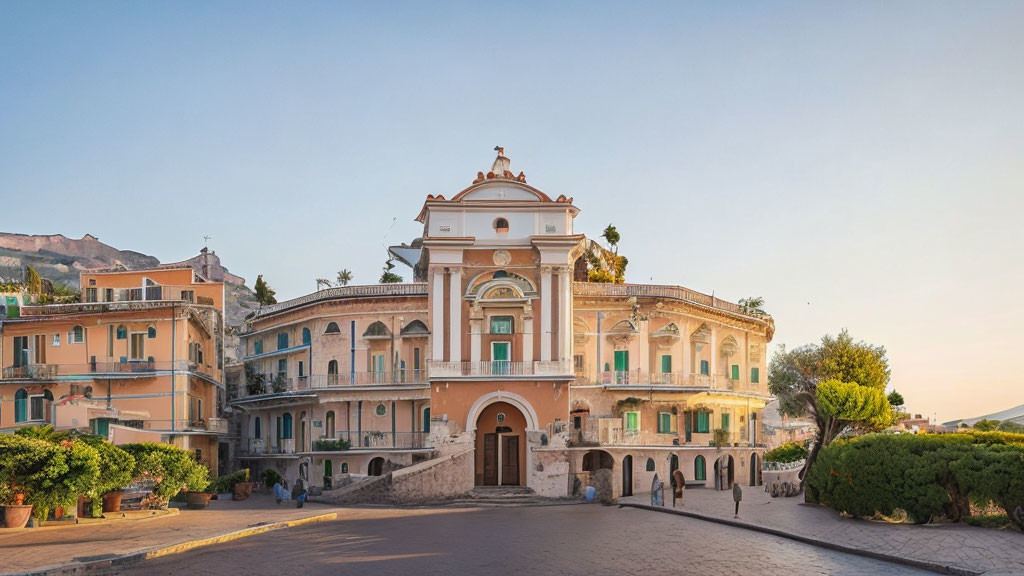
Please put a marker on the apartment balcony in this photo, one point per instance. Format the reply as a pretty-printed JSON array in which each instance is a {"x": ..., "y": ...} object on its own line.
[
  {"x": 260, "y": 384},
  {"x": 680, "y": 380},
  {"x": 180, "y": 425},
  {"x": 345, "y": 440},
  {"x": 101, "y": 369},
  {"x": 499, "y": 369},
  {"x": 123, "y": 299}
]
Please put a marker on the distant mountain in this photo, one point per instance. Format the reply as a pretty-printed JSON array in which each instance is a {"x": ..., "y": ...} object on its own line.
[
  {"x": 1015, "y": 414},
  {"x": 60, "y": 259}
]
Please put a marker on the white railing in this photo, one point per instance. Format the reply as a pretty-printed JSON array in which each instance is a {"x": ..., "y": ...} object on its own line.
[
  {"x": 371, "y": 290},
  {"x": 656, "y": 291},
  {"x": 499, "y": 368},
  {"x": 717, "y": 382}
]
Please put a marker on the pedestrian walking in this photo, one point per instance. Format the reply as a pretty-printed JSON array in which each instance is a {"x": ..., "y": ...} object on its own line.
[{"x": 737, "y": 495}]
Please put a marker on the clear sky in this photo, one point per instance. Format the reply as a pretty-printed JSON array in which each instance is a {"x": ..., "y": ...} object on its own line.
[{"x": 857, "y": 164}]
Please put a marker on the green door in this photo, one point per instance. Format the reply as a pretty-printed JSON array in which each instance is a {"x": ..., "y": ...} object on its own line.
[
  {"x": 500, "y": 357},
  {"x": 622, "y": 366}
]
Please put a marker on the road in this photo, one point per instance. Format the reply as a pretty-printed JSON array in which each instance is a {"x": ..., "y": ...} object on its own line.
[{"x": 581, "y": 539}]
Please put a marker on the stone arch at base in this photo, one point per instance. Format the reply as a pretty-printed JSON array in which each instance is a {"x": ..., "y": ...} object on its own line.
[{"x": 510, "y": 397}]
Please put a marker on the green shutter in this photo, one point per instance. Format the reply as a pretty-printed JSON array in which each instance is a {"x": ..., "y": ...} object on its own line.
[
  {"x": 621, "y": 360},
  {"x": 704, "y": 368},
  {"x": 735, "y": 371},
  {"x": 666, "y": 364},
  {"x": 703, "y": 422},
  {"x": 725, "y": 421},
  {"x": 664, "y": 423},
  {"x": 631, "y": 421},
  {"x": 698, "y": 469},
  {"x": 755, "y": 375}
]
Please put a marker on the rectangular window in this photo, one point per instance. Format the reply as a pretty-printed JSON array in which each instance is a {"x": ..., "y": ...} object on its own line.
[
  {"x": 735, "y": 371},
  {"x": 664, "y": 423},
  {"x": 703, "y": 422},
  {"x": 138, "y": 346},
  {"x": 110, "y": 341},
  {"x": 36, "y": 405},
  {"x": 90, "y": 294},
  {"x": 76, "y": 335},
  {"x": 755, "y": 375},
  {"x": 40, "y": 342},
  {"x": 282, "y": 340},
  {"x": 415, "y": 358},
  {"x": 108, "y": 294},
  {"x": 21, "y": 351},
  {"x": 705, "y": 368},
  {"x": 301, "y": 369},
  {"x": 282, "y": 368},
  {"x": 188, "y": 296},
  {"x": 501, "y": 353},
  {"x": 257, "y": 347},
  {"x": 725, "y": 421},
  {"x": 632, "y": 421},
  {"x": 577, "y": 363},
  {"x": 56, "y": 340},
  {"x": 666, "y": 364},
  {"x": 501, "y": 325}
]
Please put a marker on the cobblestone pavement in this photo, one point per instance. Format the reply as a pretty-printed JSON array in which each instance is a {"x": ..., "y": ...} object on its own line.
[
  {"x": 582, "y": 539},
  {"x": 958, "y": 545},
  {"x": 35, "y": 548}
]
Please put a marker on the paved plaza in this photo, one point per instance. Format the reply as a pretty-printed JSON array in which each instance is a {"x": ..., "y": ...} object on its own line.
[
  {"x": 959, "y": 546},
  {"x": 576, "y": 539}
]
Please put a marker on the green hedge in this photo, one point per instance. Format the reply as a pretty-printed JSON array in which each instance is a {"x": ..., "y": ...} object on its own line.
[
  {"x": 927, "y": 475},
  {"x": 788, "y": 452},
  {"x": 49, "y": 474},
  {"x": 172, "y": 468}
]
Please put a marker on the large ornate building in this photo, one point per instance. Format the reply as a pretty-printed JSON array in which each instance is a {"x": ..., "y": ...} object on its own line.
[{"x": 501, "y": 350}]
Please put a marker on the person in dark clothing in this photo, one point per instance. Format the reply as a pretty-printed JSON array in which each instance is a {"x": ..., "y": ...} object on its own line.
[
  {"x": 737, "y": 495},
  {"x": 299, "y": 493}
]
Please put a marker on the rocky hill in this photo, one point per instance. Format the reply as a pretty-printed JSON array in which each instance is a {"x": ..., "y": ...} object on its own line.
[{"x": 60, "y": 259}]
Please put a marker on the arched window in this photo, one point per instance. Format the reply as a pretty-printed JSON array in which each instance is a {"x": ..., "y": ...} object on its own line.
[
  {"x": 426, "y": 418},
  {"x": 501, "y": 225},
  {"x": 20, "y": 405},
  {"x": 257, "y": 428},
  {"x": 122, "y": 333},
  {"x": 344, "y": 467},
  {"x": 332, "y": 373},
  {"x": 699, "y": 469},
  {"x": 329, "y": 424},
  {"x": 328, "y": 469},
  {"x": 77, "y": 335},
  {"x": 650, "y": 464},
  {"x": 151, "y": 332},
  {"x": 332, "y": 328},
  {"x": 286, "y": 426},
  {"x": 306, "y": 336},
  {"x": 257, "y": 347}
]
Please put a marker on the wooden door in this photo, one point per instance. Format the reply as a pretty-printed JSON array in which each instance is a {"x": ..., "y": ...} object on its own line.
[
  {"x": 510, "y": 460},
  {"x": 490, "y": 459}
]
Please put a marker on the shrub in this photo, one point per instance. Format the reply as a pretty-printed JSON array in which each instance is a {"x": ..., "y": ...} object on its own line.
[
  {"x": 330, "y": 445},
  {"x": 48, "y": 474},
  {"x": 224, "y": 484},
  {"x": 928, "y": 476},
  {"x": 788, "y": 452},
  {"x": 117, "y": 467},
  {"x": 173, "y": 469},
  {"x": 270, "y": 477}
]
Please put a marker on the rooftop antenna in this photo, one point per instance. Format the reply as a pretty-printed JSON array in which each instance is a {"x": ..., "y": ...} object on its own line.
[{"x": 206, "y": 241}]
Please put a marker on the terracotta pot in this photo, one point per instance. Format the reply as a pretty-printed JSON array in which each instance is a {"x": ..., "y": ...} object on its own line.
[
  {"x": 242, "y": 490},
  {"x": 58, "y": 512},
  {"x": 112, "y": 502},
  {"x": 19, "y": 499},
  {"x": 16, "y": 515},
  {"x": 198, "y": 500}
]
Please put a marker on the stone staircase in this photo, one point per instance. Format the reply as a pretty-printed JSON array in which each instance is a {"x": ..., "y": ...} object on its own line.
[{"x": 502, "y": 497}]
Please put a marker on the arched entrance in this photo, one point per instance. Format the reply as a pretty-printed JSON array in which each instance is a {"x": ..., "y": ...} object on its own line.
[
  {"x": 597, "y": 459},
  {"x": 673, "y": 464},
  {"x": 376, "y": 467},
  {"x": 501, "y": 446},
  {"x": 627, "y": 476},
  {"x": 755, "y": 469},
  {"x": 724, "y": 473}
]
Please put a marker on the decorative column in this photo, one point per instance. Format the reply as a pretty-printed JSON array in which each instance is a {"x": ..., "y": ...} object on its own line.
[
  {"x": 565, "y": 314},
  {"x": 437, "y": 316},
  {"x": 714, "y": 353},
  {"x": 527, "y": 336},
  {"x": 455, "y": 315},
  {"x": 686, "y": 368},
  {"x": 545, "y": 314},
  {"x": 475, "y": 329}
]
